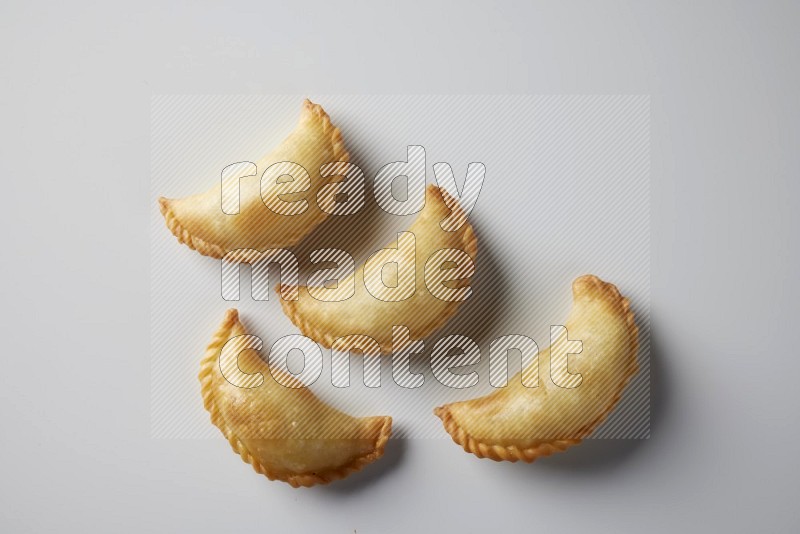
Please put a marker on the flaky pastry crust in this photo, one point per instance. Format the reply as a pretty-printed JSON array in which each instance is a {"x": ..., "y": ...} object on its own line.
[
  {"x": 317, "y": 320},
  {"x": 212, "y": 386},
  {"x": 608, "y": 310},
  {"x": 269, "y": 230}
]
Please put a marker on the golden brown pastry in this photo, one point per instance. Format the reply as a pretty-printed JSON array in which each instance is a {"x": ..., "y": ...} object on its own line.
[
  {"x": 285, "y": 433},
  {"x": 199, "y": 222},
  {"x": 522, "y": 423},
  {"x": 440, "y": 261}
]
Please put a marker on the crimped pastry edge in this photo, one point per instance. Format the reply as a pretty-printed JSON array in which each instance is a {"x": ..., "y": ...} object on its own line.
[
  {"x": 213, "y": 250},
  {"x": 207, "y": 365},
  {"x": 497, "y": 452}
]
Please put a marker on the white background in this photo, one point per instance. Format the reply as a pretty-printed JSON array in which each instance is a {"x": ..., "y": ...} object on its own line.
[{"x": 76, "y": 86}]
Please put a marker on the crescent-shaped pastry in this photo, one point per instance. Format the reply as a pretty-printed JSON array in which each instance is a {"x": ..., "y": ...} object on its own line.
[
  {"x": 285, "y": 433},
  {"x": 440, "y": 262},
  {"x": 525, "y": 423},
  {"x": 199, "y": 221}
]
